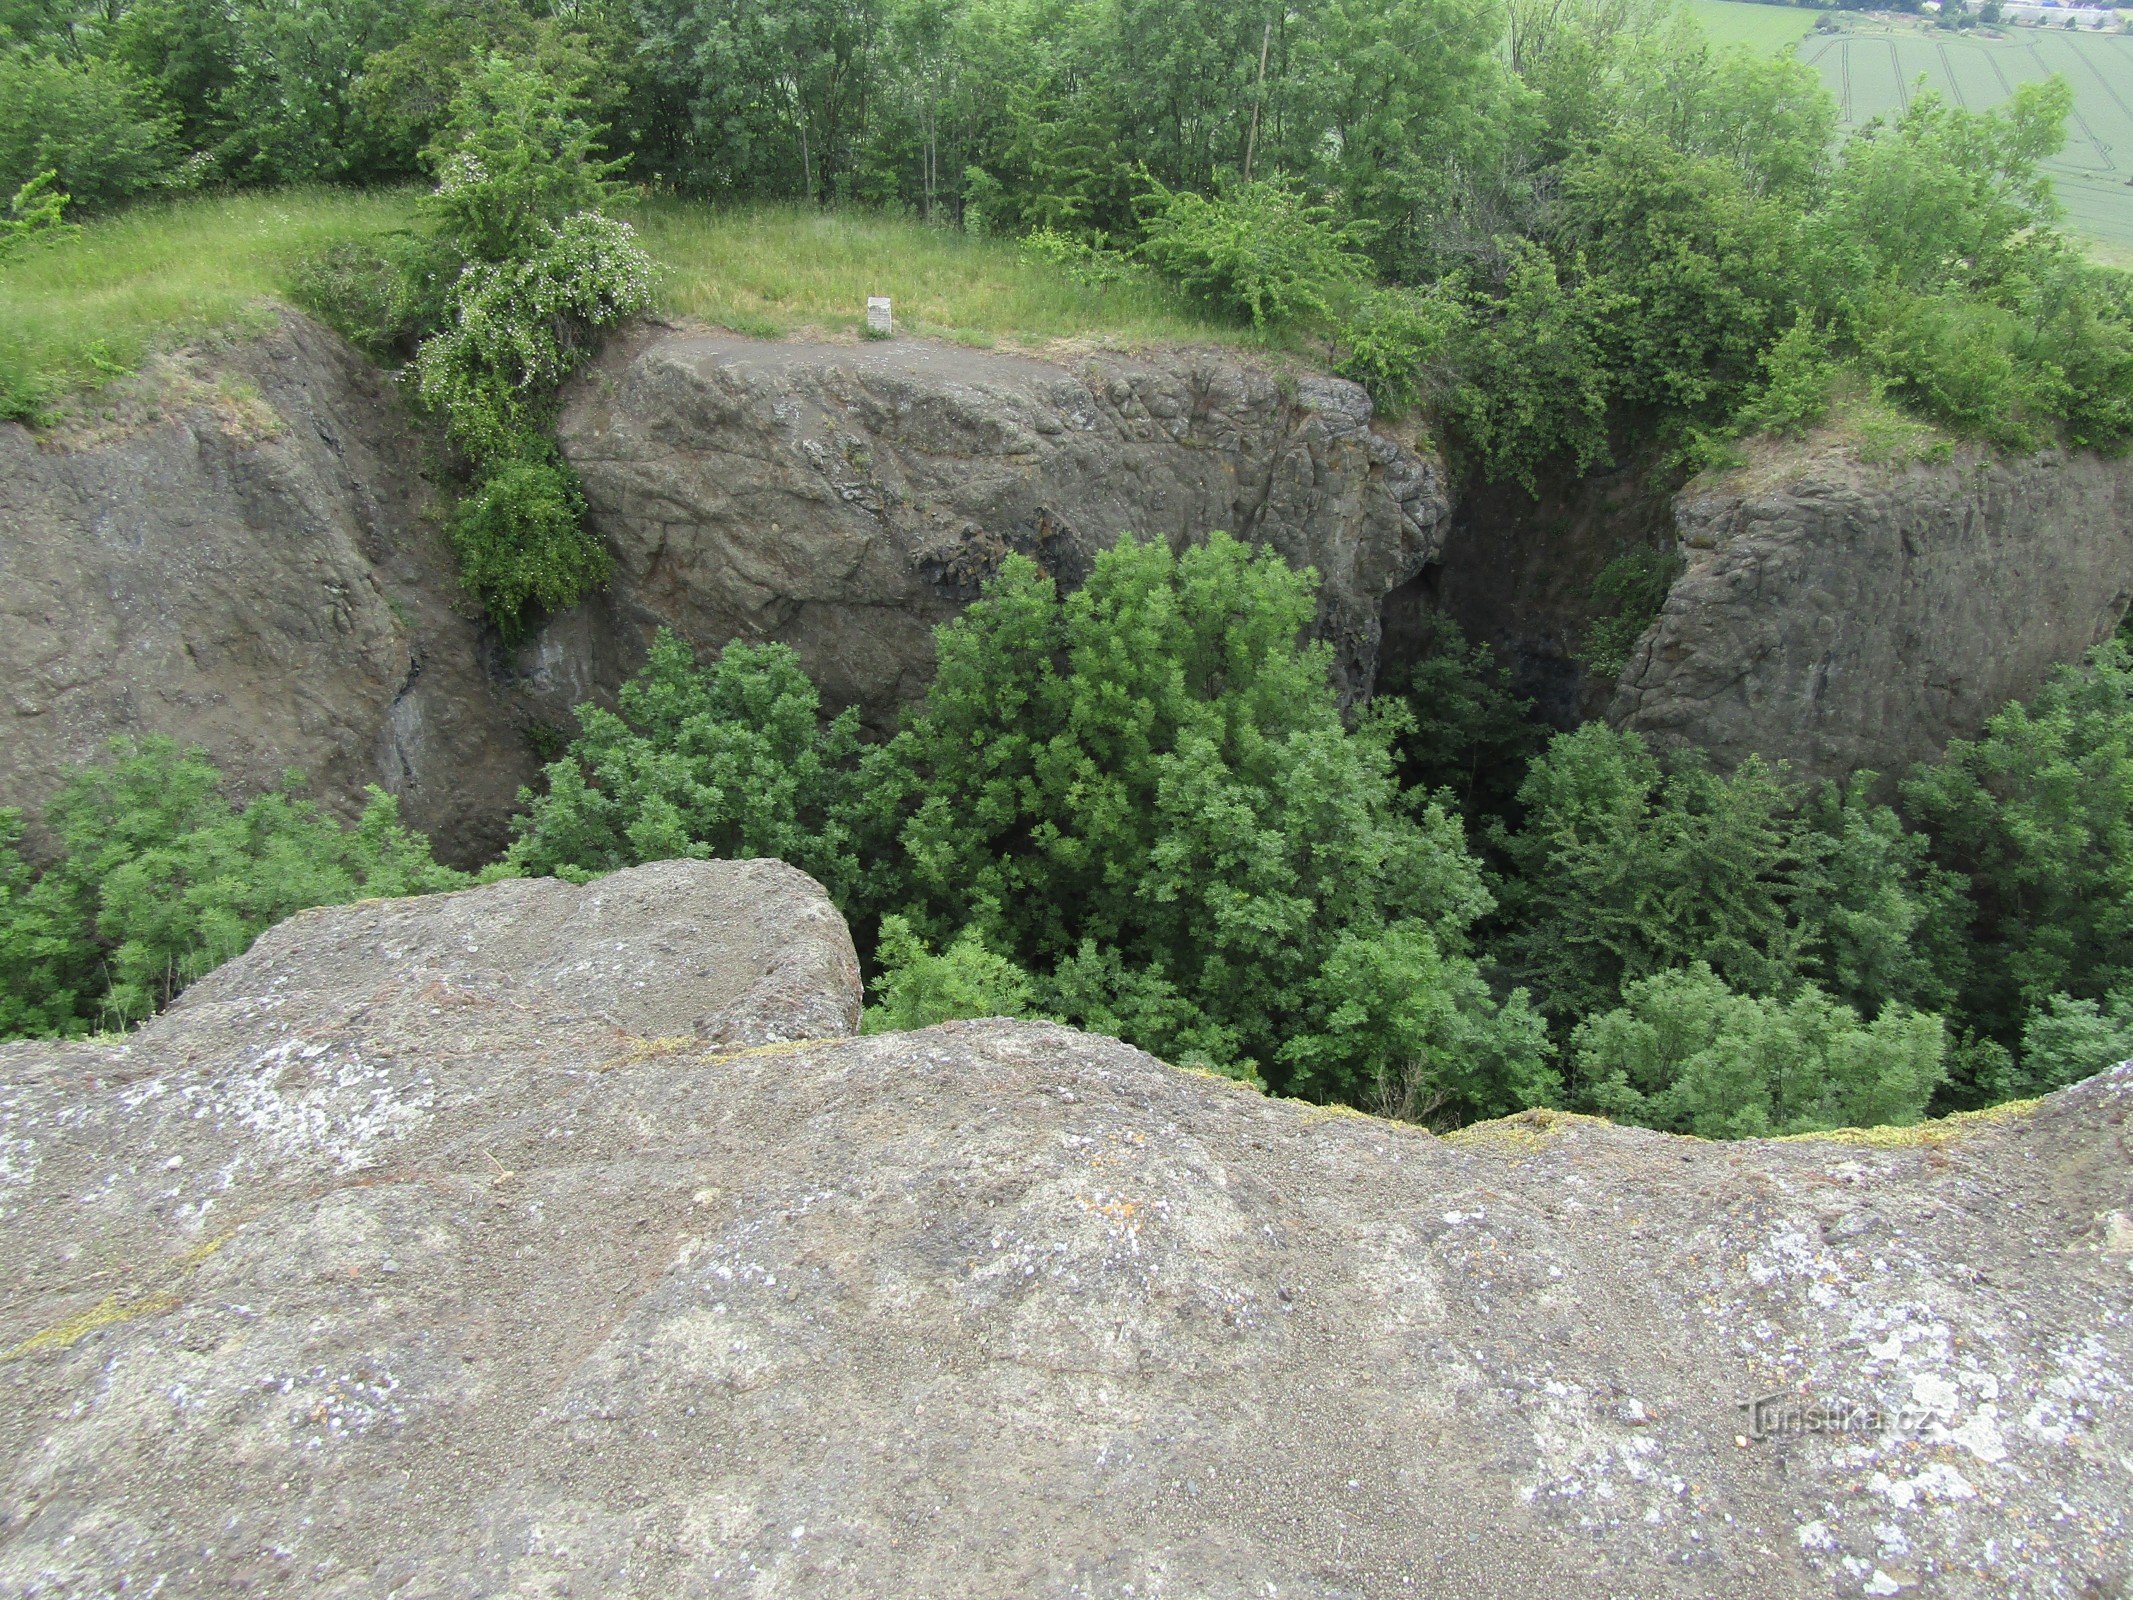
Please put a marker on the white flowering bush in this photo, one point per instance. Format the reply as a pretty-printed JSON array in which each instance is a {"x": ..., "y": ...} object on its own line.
[{"x": 518, "y": 328}]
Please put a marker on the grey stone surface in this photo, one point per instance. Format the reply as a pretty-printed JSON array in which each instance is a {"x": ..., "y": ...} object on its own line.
[
  {"x": 237, "y": 557},
  {"x": 845, "y": 499},
  {"x": 427, "y": 1251},
  {"x": 1838, "y": 615}
]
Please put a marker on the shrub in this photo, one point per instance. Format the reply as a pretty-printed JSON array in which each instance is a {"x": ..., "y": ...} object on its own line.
[
  {"x": 1797, "y": 376},
  {"x": 1686, "y": 1053},
  {"x": 2066, "y": 1040},
  {"x": 1635, "y": 585},
  {"x": 513, "y": 162},
  {"x": 916, "y": 988},
  {"x": 91, "y": 124},
  {"x": 1392, "y": 339},
  {"x": 730, "y": 760},
  {"x": 521, "y": 539},
  {"x": 519, "y": 328},
  {"x": 35, "y": 215},
  {"x": 1254, "y": 250},
  {"x": 160, "y": 879},
  {"x": 2038, "y": 814},
  {"x": 379, "y": 296}
]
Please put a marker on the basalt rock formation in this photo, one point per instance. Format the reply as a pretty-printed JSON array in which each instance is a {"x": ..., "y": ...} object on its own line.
[
  {"x": 846, "y": 499},
  {"x": 237, "y": 556},
  {"x": 1838, "y": 615},
  {"x": 551, "y": 1240},
  {"x": 245, "y": 553}
]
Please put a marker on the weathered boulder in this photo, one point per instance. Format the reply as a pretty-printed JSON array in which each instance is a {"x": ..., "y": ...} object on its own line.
[
  {"x": 1839, "y": 615},
  {"x": 432, "y": 1250},
  {"x": 237, "y": 557},
  {"x": 845, "y": 499}
]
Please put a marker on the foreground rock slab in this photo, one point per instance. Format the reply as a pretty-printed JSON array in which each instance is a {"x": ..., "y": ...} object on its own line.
[{"x": 541, "y": 1240}]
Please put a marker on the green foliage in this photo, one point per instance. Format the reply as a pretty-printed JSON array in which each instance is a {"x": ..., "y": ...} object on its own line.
[
  {"x": 2066, "y": 1040},
  {"x": 513, "y": 163},
  {"x": 2038, "y": 814},
  {"x": 521, "y": 539},
  {"x": 89, "y": 123},
  {"x": 34, "y": 216},
  {"x": 1089, "y": 262},
  {"x": 1143, "y": 794},
  {"x": 915, "y": 988},
  {"x": 1798, "y": 373},
  {"x": 371, "y": 292},
  {"x": 1625, "y": 870},
  {"x": 1472, "y": 733},
  {"x": 159, "y": 879},
  {"x": 730, "y": 761},
  {"x": 1634, "y": 585},
  {"x": 1688, "y": 1054},
  {"x": 1392, "y": 339},
  {"x": 519, "y": 328},
  {"x": 1260, "y": 250},
  {"x": 1529, "y": 378}
]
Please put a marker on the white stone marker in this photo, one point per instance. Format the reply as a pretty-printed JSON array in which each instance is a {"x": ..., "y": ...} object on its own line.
[{"x": 878, "y": 323}]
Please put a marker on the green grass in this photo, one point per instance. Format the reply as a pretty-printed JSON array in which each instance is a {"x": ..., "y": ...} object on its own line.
[
  {"x": 775, "y": 270},
  {"x": 1755, "y": 27},
  {"x": 100, "y": 302}
]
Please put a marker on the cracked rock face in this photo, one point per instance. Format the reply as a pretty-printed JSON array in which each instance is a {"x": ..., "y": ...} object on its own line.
[
  {"x": 1838, "y": 616},
  {"x": 237, "y": 558},
  {"x": 846, "y": 499},
  {"x": 539, "y": 1240}
]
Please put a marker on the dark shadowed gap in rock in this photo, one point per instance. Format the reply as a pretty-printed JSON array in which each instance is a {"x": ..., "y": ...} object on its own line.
[{"x": 1517, "y": 573}]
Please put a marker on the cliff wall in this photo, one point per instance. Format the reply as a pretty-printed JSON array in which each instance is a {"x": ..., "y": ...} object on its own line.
[{"x": 1840, "y": 615}]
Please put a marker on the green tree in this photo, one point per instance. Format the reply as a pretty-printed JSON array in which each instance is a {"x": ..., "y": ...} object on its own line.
[
  {"x": 92, "y": 125},
  {"x": 514, "y": 161},
  {"x": 1623, "y": 870},
  {"x": 915, "y": 988},
  {"x": 1686, "y": 1053},
  {"x": 730, "y": 761},
  {"x": 159, "y": 879},
  {"x": 2038, "y": 814}
]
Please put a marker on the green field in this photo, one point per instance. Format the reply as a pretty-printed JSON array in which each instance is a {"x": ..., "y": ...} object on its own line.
[
  {"x": 1874, "y": 71},
  {"x": 1758, "y": 27}
]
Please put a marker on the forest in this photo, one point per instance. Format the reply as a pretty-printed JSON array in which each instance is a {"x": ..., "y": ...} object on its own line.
[{"x": 1549, "y": 235}]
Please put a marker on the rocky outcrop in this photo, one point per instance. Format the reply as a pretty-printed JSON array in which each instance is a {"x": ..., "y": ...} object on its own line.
[
  {"x": 242, "y": 552},
  {"x": 553, "y": 1240},
  {"x": 1838, "y": 615},
  {"x": 845, "y": 499},
  {"x": 233, "y": 553}
]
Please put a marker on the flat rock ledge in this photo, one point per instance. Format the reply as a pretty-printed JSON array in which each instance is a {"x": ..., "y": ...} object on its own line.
[{"x": 540, "y": 1240}]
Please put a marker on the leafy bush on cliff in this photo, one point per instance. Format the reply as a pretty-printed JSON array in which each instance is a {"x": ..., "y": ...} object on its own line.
[
  {"x": 158, "y": 879},
  {"x": 539, "y": 276},
  {"x": 1688, "y": 1054},
  {"x": 1141, "y": 796},
  {"x": 2037, "y": 814}
]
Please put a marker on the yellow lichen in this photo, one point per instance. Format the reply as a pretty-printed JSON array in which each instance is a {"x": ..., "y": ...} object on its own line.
[
  {"x": 1526, "y": 1129},
  {"x": 107, "y": 1311},
  {"x": 116, "y": 1308},
  {"x": 1910, "y": 1136}
]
